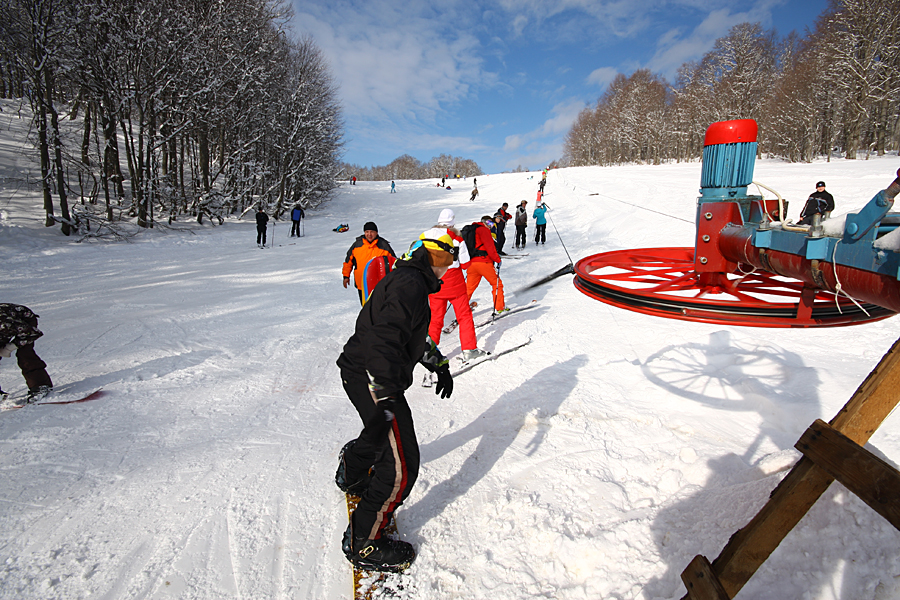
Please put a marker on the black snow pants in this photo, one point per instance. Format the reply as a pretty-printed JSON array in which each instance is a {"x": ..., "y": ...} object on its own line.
[
  {"x": 389, "y": 446},
  {"x": 261, "y": 234},
  {"x": 520, "y": 236}
]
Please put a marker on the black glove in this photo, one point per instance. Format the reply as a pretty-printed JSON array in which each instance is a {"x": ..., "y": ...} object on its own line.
[{"x": 444, "y": 385}]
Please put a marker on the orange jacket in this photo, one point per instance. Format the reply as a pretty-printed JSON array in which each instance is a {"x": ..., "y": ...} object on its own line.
[{"x": 360, "y": 253}]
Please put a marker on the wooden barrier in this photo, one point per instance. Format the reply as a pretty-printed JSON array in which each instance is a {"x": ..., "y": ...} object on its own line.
[{"x": 831, "y": 451}]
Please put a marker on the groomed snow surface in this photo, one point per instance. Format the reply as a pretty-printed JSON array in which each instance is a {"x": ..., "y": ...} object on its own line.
[{"x": 594, "y": 463}]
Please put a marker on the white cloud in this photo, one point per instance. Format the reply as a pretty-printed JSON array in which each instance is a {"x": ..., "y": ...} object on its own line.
[
  {"x": 602, "y": 76},
  {"x": 564, "y": 115}
]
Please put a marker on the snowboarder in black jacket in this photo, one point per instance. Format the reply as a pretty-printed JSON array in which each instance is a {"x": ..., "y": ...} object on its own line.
[{"x": 377, "y": 364}]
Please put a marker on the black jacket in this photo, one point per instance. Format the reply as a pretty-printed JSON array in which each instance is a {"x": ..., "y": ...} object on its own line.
[
  {"x": 261, "y": 219},
  {"x": 392, "y": 327},
  {"x": 817, "y": 203}
]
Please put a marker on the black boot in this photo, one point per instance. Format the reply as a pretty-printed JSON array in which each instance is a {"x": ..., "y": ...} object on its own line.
[
  {"x": 383, "y": 554},
  {"x": 355, "y": 488}
]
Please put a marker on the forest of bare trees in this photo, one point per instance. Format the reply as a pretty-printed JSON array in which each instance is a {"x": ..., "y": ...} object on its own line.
[
  {"x": 408, "y": 167},
  {"x": 837, "y": 90},
  {"x": 195, "y": 108}
]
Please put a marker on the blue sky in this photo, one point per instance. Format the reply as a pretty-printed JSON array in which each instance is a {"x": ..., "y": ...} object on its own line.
[{"x": 501, "y": 82}]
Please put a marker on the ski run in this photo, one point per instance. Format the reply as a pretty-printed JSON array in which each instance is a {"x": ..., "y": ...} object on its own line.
[{"x": 595, "y": 462}]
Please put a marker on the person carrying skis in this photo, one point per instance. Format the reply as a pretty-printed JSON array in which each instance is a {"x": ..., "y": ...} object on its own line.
[
  {"x": 262, "y": 223},
  {"x": 453, "y": 289},
  {"x": 540, "y": 223},
  {"x": 377, "y": 362},
  {"x": 482, "y": 263},
  {"x": 296, "y": 216},
  {"x": 501, "y": 227},
  {"x": 819, "y": 202},
  {"x": 364, "y": 248},
  {"x": 521, "y": 222},
  {"x": 18, "y": 332}
]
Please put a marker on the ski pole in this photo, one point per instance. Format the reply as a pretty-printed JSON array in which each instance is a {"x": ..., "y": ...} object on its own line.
[
  {"x": 559, "y": 236},
  {"x": 273, "y": 235}
]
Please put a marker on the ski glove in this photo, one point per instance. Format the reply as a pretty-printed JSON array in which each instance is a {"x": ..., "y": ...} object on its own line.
[{"x": 444, "y": 385}]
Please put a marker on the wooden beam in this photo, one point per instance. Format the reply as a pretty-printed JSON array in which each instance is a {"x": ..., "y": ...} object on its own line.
[
  {"x": 874, "y": 481},
  {"x": 750, "y": 546},
  {"x": 701, "y": 582}
]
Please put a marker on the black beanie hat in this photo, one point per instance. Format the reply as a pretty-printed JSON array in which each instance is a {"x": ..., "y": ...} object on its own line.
[{"x": 370, "y": 225}]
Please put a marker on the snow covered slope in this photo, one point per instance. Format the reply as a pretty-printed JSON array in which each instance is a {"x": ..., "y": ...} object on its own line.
[{"x": 594, "y": 463}]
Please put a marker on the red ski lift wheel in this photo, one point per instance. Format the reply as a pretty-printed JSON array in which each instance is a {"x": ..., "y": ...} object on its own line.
[{"x": 662, "y": 282}]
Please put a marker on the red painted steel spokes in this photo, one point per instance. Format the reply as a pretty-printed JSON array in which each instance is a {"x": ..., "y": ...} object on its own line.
[{"x": 662, "y": 282}]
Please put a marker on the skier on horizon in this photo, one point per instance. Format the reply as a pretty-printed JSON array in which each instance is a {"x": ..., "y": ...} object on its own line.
[{"x": 262, "y": 220}]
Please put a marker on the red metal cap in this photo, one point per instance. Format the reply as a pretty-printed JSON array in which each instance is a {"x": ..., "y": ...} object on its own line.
[{"x": 731, "y": 132}]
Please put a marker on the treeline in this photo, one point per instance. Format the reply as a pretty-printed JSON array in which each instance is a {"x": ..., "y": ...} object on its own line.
[
  {"x": 408, "y": 167},
  {"x": 186, "y": 107},
  {"x": 836, "y": 90}
]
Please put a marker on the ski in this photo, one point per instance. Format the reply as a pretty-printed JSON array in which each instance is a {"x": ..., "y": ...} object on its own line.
[
  {"x": 454, "y": 323},
  {"x": 495, "y": 316},
  {"x": 513, "y": 256},
  {"x": 466, "y": 366}
]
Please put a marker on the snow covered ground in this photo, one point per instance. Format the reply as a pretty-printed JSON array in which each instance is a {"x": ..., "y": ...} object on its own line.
[{"x": 594, "y": 463}]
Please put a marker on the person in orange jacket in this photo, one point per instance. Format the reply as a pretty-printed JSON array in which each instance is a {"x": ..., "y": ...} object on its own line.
[
  {"x": 365, "y": 248},
  {"x": 483, "y": 261}
]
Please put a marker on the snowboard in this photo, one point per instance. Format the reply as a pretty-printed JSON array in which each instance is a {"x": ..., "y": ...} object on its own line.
[
  {"x": 469, "y": 365},
  {"x": 371, "y": 585},
  {"x": 374, "y": 272},
  {"x": 14, "y": 401}
]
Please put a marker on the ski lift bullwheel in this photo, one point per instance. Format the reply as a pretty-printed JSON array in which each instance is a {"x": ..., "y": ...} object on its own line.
[{"x": 662, "y": 282}]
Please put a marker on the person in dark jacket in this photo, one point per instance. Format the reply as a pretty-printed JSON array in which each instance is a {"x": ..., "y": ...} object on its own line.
[
  {"x": 262, "y": 222},
  {"x": 297, "y": 215},
  {"x": 501, "y": 227},
  {"x": 819, "y": 202},
  {"x": 18, "y": 332},
  {"x": 391, "y": 337},
  {"x": 521, "y": 222}
]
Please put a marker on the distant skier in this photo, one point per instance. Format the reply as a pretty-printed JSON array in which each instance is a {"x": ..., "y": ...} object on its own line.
[
  {"x": 819, "y": 202},
  {"x": 365, "y": 248},
  {"x": 297, "y": 215},
  {"x": 540, "y": 223},
  {"x": 485, "y": 262},
  {"x": 521, "y": 221},
  {"x": 393, "y": 190},
  {"x": 18, "y": 332},
  {"x": 377, "y": 362},
  {"x": 474, "y": 193},
  {"x": 262, "y": 223}
]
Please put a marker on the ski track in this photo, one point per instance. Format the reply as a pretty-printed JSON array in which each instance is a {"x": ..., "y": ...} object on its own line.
[{"x": 593, "y": 463}]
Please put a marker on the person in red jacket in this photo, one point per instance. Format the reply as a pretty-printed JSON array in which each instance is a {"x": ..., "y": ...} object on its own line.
[
  {"x": 453, "y": 289},
  {"x": 482, "y": 263}
]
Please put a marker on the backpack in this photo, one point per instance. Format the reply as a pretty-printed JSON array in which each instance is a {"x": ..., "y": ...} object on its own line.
[{"x": 468, "y": 234}]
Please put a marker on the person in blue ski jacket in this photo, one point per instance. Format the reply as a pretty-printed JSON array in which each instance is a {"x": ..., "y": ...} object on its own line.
[
  {"x": 540, "y": 222},
  {"x": 296, "y": 216}
]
